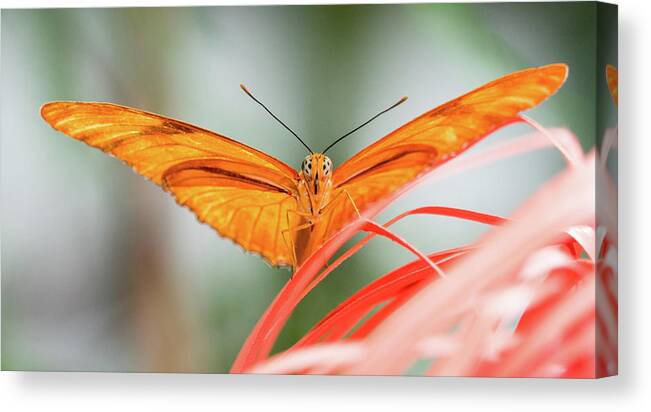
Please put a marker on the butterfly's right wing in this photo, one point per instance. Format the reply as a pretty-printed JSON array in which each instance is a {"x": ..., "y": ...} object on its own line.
[
  {"x": 611, "y": 78},
  {"x": 244, "y": 194},
  {"x": 391, "y": 163}
]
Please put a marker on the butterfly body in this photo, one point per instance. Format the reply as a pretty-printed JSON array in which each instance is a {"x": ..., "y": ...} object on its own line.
[
  {"x": 266, "y": 206},
  {"x": 317, "y": 196}
]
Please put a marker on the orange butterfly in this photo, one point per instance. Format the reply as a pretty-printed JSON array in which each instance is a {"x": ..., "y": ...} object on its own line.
[
  {"x": 611, "y": 78},
  {"x": 266, "y": 206}
]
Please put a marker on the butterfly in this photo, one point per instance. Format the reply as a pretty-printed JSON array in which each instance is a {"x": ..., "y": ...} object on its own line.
[
  {"x": 266, "y": 206},
  {"x": 611, "y": 78}
]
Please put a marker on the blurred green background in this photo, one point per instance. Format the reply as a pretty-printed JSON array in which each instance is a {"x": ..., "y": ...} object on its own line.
[{"x": 101, "y": 270}]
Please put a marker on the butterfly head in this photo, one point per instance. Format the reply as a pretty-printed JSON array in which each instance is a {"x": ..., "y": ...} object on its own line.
[
  {"x": 316, "y": 166},
  {"x": 316, "y": 173}
]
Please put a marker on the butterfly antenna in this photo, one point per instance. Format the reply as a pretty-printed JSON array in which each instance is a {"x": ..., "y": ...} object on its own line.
[
  {"x": 274, "y": 116},
  {"x": 399, "y": 102}
]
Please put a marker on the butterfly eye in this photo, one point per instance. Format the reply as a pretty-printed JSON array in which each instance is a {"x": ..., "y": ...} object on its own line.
[
  {"x": 327, "y": 166},
  {"x": 307, "y": 167}
]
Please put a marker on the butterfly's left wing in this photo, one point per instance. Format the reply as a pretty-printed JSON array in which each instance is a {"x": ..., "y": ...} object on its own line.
[
  {"x": 244, "y": 194},
  {"x": 438, "y": 135}
]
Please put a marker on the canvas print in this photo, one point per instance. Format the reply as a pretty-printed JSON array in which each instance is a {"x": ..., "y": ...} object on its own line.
[{"x": 420, "y": 190}]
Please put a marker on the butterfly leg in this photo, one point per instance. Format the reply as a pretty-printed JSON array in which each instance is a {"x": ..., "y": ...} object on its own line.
[
  {"x": 288, "y": 242},
  {"x": 352, "y": 202},
  {"x": 331, "y": 203}
]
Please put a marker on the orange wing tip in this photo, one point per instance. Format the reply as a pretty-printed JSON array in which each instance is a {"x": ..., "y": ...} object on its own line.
[
  {"x": 611, "y": 80},
  {"x": 556, "y": 73},
  {"x": 560, "y": 70},
  {"x": 611, "y": 73},
  {"x": 46, "y": 110},
  {"x": 46, "y": 106}
]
